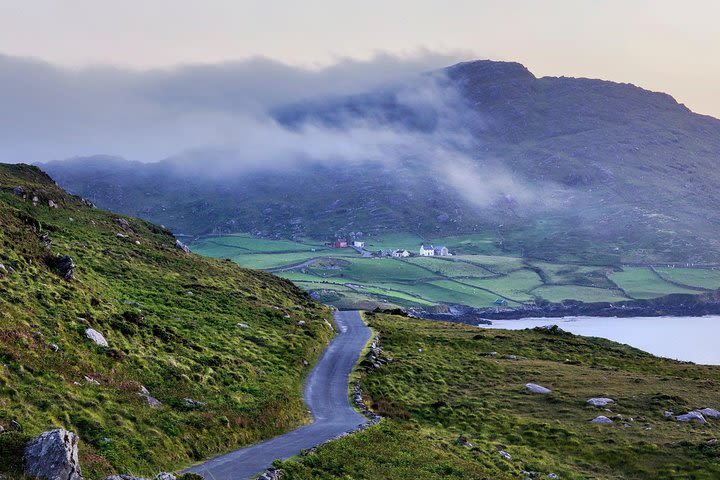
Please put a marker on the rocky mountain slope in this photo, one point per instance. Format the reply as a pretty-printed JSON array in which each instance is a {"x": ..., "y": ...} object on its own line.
[
  {"x": 154, "y": 356},
  {"x": 552, "y": 167}
]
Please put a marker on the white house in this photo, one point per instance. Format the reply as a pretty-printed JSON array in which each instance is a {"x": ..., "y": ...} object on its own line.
[
  {"x": 427, "y": 251},
  {"x": 358, "y": 244},
  {"x": 400, "y": 253}
]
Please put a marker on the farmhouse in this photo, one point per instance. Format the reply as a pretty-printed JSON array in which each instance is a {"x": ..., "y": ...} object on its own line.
[
  {"x": 340, "y": 243},
  {"x": 427, "y": 251},
  {"x": 400, "y": 253},
  {"x": 358, "y": 244}
]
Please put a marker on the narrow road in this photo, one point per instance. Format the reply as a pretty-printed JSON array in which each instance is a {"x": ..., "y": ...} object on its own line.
[{"x": 326, "y": 394}]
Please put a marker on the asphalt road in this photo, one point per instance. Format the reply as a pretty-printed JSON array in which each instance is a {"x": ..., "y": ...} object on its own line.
[{"x": 326, "y": 394}]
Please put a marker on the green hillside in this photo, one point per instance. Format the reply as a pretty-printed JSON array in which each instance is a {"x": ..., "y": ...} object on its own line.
[
  {"x": 218, "y": 346},
  {"x": 443, "y": 384}
]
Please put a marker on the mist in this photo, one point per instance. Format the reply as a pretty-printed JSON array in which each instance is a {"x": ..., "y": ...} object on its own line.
[{"x": 222, "y": 120}]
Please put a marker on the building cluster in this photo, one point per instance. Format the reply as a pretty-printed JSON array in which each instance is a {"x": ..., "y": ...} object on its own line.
[{"x": 425, "y": 251}]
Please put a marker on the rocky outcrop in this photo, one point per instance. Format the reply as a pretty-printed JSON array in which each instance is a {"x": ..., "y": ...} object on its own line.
[
  {"x": 181, "y": 246},
  {"x": 53, "y": 455},
  {"x": 96, "y": 337},
  {"x": 534, "y": 388},
  {"x": 600, "y": 401},
  {"x": 602, "y": 419},
  {"x": 709, "y": 412},
  {"x": 152, "y": 401},
  {"x": 693, "y": 416},
  {"x": 64, "y": 266},
  {"x": 272, "y": 474}
]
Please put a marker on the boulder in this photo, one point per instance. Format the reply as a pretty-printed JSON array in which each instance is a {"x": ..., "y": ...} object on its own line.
[
  {"x": 710, "y": 412},
  {"x": 505, "y": 455},
  {"x": 65, "y": 266},
  {"x": 96, "y": 337},
  {"x": 272, "y": 474},
  {"x": 19, "y": 191},
  {"x": 152, "y": 401},
  {"x": 602, "y": 419},
  {"x": 53, "y": 455},
  {"x": 3, "y": 269},
  {"x": 165, "y": 476},
  {"x": 600, "y": 401},
  {"x": 534, "y": 388},
  {"x": 124, "y": 477},
  {"x": 193, "y": 403},
  {"x": 15, "y": 426},
  {"x": 181, "y": 246},
  {"x": 691, "y": 417}
]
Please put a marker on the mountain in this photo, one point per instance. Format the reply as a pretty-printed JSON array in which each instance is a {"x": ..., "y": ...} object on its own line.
[
  {"x": 549, "y": 167},
  {"x": 202, "y": 355}
]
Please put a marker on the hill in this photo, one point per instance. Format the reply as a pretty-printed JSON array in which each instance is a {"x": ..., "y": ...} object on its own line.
[
  {"x": 455, "y": 409},
  {"x": 202, "y": 356},
  {"x": 552, "y": 168}
]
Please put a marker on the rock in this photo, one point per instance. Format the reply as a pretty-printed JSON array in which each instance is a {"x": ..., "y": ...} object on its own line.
[
  {"x": 91, "y": 380},
  {"x": 600, "y": 401},
  {"x": 667, "y": 414},
  {"x": 3, "y": 269},
  {"x": 463, "y": 441},
  {"x": 152, "y": 401},
  {"x": 53, "y": 455},
  {"x": 602, "y": 419},
  {"x": 272, "y": 474},
  {"x": 120, "y": 235},
  {"x": 710, "y": 412},
  {"x": 505, "y": 455},
  {"x": 301, "y": 323},
  {"x": 534, "y": 388},
  {"x": 52, "y": 204},
  {"x": 96, "y": 337},
  {"x": 553, "y": 475},
  {"x": 15, "y": 426},
  {"x": 2, "y": 429},
  {"x": 54, "y": 347},
  {"x": 124, "y": 477},
  {"x": 181, "y": 246},
  {"x": 691, "y": 417},
  {"x": 243, "y": 325},
  {"x": 193, "y": 403},
  {"x": 124, "y": 224},
  {"x": 165, "y": 476},
  {"x": 19, "y": 191},
  {"x": 65, "y": 266}
]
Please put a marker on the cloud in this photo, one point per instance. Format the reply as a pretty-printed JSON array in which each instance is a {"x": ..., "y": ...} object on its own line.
[{"x": 232, "y": 118}]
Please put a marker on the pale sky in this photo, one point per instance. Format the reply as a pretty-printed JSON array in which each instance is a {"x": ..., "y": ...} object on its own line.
[{"x": 666, "y": 45}]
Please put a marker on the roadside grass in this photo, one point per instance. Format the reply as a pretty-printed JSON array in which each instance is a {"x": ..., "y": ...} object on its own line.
[
  {"x": 172, "y": 323},
  {"x": 643, "y": 283},
  {"x": 442, "y": 384}
]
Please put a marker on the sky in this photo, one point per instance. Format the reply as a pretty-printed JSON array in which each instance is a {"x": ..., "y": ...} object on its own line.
[{"x": 662, "y": 45}]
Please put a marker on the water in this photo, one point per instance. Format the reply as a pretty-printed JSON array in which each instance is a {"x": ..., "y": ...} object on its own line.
[{"x": 694, "y": 339}]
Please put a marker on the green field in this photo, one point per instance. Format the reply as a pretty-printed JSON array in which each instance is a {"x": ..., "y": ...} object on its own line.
[
  {"x": 442, "y": 384},
  {"x": 644, "y": 283},
  {"x": 343, "y": 278}
]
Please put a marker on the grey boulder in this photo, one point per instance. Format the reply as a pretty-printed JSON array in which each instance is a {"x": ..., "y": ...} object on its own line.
[
  {"x": 709, "y": 412},
  {"x": 53, "y": 455},
  {"x": 691, "y": 417},
  {"x": 534, "y": 388},
  {"x": 600, "y": 401},
  {"x": 602, "y": 419},
  {"x": 96, "y": 337}
]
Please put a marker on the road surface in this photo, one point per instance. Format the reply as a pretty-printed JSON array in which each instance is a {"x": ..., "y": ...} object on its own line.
[{"x": 326, "y": 394}]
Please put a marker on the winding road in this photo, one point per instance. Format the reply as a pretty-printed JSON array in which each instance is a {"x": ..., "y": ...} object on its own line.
[{"x": 326, "y": 394}]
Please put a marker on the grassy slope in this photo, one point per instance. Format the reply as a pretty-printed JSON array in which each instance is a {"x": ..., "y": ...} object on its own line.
[
  {"x": 176, "y": 343},
  {"x": 451, "y": 388}
]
